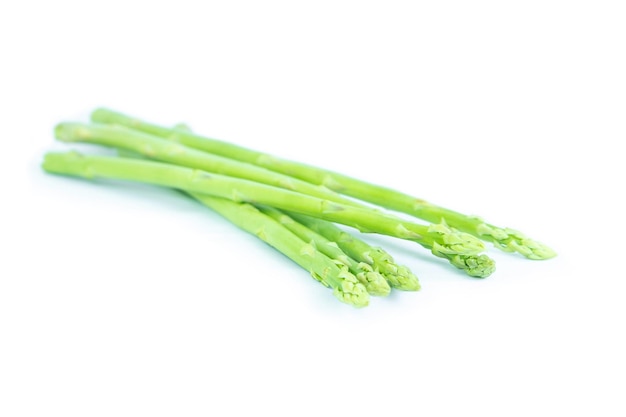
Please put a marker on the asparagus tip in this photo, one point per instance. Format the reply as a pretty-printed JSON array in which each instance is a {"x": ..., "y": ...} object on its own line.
[
  {"x": 528, "y": 247},
  {"x": 406, "y": 280},
  {"x": 401, "y": 278},
  {"x": 374, "y": 282},
  {"x": 350, "y": 291},
  {"x": 454, "y": 242},
  {"x": 480, "y": 266},
  {"x": 510, "y": 240}
]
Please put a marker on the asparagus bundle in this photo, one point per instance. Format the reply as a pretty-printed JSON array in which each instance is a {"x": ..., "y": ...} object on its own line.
[
  {"x": 374, "y": 282},
  {"x": 504, "y": 238},
  {"x": 373, "y": 267},
  {"x": 398, "y": 276},
  {"x": 291, "y": 206},
  {"x": 462, "y": 250}
]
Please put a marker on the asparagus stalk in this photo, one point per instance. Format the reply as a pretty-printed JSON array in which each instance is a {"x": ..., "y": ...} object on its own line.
[
  {"x": 155, "y": 147},
  {"x": 460, "y": 249},
  {"x": 506, "y": 239},
  {"x": 329, "y": 272},
  {"x": 374, "y": 282}
]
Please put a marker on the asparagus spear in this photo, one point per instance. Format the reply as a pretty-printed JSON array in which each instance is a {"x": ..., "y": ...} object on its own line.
[
  {"x": 329, "y": 272},
  {"x": 374, "y": 282},
  {"x": 503, "y": 238},
  {"x": 155, "y": 147},
  {"x": 460, "y": 249}
]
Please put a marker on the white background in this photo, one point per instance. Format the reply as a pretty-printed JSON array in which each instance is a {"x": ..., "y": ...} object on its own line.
[{"x": 125, "y": 300}]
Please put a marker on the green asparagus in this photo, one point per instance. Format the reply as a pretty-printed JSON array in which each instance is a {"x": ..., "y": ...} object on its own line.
[
  {"x": 398, "y": 276},
  {"x": 461, "y": 249},
  {"x": 329, "y": 272},
  {"x": 374, "y": 282},
  {"x": 157, "y": 148},
  {"x": 133, "y": 143},
  {"x": 503, "y": 238}
]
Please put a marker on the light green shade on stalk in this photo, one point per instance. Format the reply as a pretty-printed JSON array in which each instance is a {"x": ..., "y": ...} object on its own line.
[
  {"x": 329, "y": 272},
  {"x": 503, "y": 238},
  {"x": 441, "y": 240},
  {"x": 374, "y": 282}
]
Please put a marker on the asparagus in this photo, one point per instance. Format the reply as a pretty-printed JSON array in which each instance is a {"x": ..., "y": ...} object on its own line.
[
  {"x": 330, "y": 273},
  {"x": 133, "y": 143},
  {"x": 155, "y": 147},
  {"x": 503, "y": 238},
  {"x": 460, "y": 249},
  {"x": 398, "y": 276},
  {"x": 374, "y": 282}
]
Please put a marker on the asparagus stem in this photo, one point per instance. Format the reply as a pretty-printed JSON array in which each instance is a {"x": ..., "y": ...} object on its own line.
[
  {"x": 398, "y": 276},
  {"x": 157, "y": 148},
  {"x": 504, "y": 238},
  {"x": 332, "y": 274},
  {"x": 441, "y": 240},
  {"x": 374, "y": 282}
]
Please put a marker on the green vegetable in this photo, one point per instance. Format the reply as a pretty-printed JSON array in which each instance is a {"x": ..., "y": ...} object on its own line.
[
  {"x": 294, "y": 207},
  {"x": 374, "y": 282},
  {"x": 398, "y": 276},
  {"x": 133, "y": 143},
  {"x": 329, "y": 272},
  {"x": 461, "y": 249},
  {"x": 157, "y": 148},
  {"x": 504, "y": 238}
]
